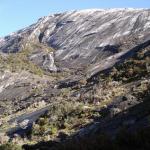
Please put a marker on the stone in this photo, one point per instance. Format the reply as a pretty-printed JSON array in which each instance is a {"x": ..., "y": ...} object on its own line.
[
  {"x": 69, "y": 50},
  {"x": 49, "y": 62}
]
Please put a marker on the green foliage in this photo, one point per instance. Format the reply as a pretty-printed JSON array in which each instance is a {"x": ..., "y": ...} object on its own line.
[
  {"x": 124, "y": 140},
  {"x": 10, "y": 146},
  {"x": 133, "y": 68},
  {"x": 19, "y": 61},
  {"x": 53, "y": 130},
  {"x": 61, "y": 116}
]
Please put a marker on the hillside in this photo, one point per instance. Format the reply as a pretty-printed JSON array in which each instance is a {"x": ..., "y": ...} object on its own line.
[{"x": 75, "y": 75}]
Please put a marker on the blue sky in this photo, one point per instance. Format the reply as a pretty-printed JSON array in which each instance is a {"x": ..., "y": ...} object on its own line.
[{"x": 16, "y": 14}]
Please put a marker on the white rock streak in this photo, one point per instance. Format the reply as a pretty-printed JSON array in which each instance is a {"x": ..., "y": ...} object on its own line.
[{"x": 78, "y": 33}]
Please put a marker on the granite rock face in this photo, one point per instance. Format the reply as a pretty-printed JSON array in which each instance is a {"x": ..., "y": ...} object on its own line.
[
  {"x": 59, "y": 57},
  {"x": 49, "y": 63},
  {"x": 86, "y": 42},
  {"x": 86, "y": 36}
]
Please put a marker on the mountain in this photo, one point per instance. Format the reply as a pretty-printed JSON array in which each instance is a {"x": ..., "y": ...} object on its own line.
[{"x": 76, "y": 74}]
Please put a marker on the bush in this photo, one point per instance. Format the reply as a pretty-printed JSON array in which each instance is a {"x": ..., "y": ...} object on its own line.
[
  {"x": 10, "y": 146},
  {"x": 18, "y": 62}
]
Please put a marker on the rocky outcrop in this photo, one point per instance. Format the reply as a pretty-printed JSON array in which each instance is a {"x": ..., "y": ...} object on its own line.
[
  {"x": 86, "y": 36},
  {"x": 64, "y": 58},
  {"x": 49, "y": 62}
]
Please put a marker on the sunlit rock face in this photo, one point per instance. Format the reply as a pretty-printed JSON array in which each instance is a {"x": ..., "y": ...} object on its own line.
[
  {"x": 74, "y": 57},
  {"x": 49, "y": 63},
  {"x": 85, "y": 36}
]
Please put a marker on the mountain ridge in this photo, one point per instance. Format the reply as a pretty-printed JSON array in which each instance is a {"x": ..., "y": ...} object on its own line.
[{"x": 74, "y": 72}]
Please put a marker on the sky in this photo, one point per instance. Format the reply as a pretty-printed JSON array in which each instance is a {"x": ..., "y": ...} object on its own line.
[{"x": 17, "y": 14}]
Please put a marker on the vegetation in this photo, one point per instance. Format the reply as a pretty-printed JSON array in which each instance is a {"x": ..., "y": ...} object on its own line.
[
  {"x": 10, "y": 146},
  {"x": 18, "y": 62},
  {"x": 134, "y": 68},
  {"x": 68, "y": 116},
  {"x": 65, "y": 117},
  {"x": 125, "y": 140}
]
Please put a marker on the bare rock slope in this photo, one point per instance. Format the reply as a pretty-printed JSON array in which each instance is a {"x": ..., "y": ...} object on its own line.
[
  {"x": 94, "y": 58},
  {"x": 85, "y": 36}
]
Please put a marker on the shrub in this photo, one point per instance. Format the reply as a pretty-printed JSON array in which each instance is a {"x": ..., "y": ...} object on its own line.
[
  {"x": 18, "y": 62},
  {"x": 10, "y": 146}
]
